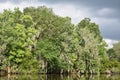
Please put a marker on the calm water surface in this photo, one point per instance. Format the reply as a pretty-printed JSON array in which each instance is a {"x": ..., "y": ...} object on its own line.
[{"x": 60, "y": 77}]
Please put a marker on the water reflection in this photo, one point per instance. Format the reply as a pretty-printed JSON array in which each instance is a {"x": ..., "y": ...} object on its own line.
[{"x": 60, "y": 77}]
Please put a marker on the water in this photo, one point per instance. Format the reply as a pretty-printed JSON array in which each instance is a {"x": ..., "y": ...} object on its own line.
[{"x": 60, "y": 77}]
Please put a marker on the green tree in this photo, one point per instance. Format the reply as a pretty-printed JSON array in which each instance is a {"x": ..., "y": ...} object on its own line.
[
  {"x": 17, "y": 37},
  {"x": 90, "y": 42},
  {"x": 38, "y": 40},
  {"x": 116, "y": 48}
]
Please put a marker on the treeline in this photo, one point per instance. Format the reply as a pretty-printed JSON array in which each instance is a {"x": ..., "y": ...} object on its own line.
[
  {"x": 114, "y": 58},
  {"x": 36, "y": 40}
]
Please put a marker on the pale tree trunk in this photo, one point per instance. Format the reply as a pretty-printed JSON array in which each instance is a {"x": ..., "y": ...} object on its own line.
[
  {"x": 8, "y": 77},
  {"x": 8, "y": 69},
  {"x": 46, "y": 66},
  {"x": 61, "y": 71}
]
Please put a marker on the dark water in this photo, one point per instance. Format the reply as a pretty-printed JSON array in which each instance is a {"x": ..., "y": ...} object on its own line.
[{"x": 60, "y": 77}]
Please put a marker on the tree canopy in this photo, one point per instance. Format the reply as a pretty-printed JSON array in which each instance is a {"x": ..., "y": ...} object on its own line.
[{"x": 37, "y": 40}]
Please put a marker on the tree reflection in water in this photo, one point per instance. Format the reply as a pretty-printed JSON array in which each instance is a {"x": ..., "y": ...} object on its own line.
[{"x": 60, "y": 77}]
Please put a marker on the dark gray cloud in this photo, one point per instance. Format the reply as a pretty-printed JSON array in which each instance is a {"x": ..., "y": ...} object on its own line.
[
  {"x": 111, "y": 32},
  {"x": 97, "y": 3},
  {"x": 94, "y": 4}
]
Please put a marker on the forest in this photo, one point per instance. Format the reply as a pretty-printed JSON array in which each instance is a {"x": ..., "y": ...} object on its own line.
[{"x": 36, "y": 40}]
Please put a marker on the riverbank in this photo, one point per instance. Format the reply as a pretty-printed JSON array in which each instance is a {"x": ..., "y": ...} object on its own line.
[
  {"x": 5, "y": 73},
  {"x": 60, "y": 77}
]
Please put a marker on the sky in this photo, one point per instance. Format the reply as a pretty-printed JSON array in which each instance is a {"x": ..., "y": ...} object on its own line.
[{"x": 106, "y": 13}]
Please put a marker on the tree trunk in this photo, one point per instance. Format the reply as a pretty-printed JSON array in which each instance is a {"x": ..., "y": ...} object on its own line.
[
  {"x": 8, "y": 70},
  {"x": 46, "y": 67},
  {"x": 61, "y": 71}
]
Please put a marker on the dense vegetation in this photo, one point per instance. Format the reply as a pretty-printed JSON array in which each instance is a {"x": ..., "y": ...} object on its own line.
[{"x": 37, "y": 40}]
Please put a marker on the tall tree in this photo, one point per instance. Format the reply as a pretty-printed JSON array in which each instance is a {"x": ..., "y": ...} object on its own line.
[{"x": 90, "y": 42}]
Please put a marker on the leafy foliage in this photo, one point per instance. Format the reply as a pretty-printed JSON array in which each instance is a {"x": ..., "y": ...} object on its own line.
[{"x": 37, "y": 40}]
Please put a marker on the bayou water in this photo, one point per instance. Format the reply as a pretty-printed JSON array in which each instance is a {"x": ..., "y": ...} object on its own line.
[{"x": 60, "y": 77}]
